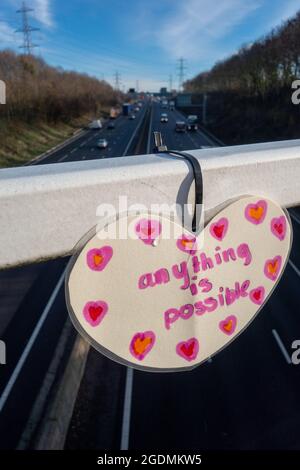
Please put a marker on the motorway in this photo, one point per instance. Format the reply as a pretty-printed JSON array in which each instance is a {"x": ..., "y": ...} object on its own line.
[
  {"x": 176, "y": 140},
  {"x": 85, "y": 146},
  {"x": 246, "y": 397}
]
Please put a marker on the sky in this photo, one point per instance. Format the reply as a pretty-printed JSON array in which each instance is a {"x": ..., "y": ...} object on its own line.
[{"x": 142, "y": 40}]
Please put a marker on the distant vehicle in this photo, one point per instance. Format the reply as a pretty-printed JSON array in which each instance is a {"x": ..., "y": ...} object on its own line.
[
  {"x": 137, "y": 109},
  {"x": 164, "y": 117},
  {"x": 102, "y": 143},
  {"x": 192, "y": 122},
  {"x": 164, "y": 104},
  {"x": 113, "y": 113},
  {"x": 132, "y": 116},
  {"x": 95, "y": 125},
  {"x": 126, "y": 109},
  {"x": 180, "y": 126},
  {"x": 172, "y": 105},
  {"x": 111, "y": 125}
]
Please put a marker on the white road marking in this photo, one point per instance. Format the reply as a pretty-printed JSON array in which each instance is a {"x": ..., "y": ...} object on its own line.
[
  {"x": 125, "y": 433},
  {"x": 74, "y": 150},
  {"x": 63, "y": 158},
  {"x": 127, "y": 410},
  {"x": 150, "y": 131},
  {"x": 14, "y": 376},
  {"x": 192, "y": 140},
  {"x": 134, "y": 134},
  {"x": 282, "y": 347},
  {"x": 297, "y": 271}
]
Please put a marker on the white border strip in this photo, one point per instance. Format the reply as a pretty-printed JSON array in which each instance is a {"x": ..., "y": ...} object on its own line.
[{"x": 127, "y": 410}]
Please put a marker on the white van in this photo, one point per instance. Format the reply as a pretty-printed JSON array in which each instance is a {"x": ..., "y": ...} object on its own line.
[{"x": 97, "y": 124}]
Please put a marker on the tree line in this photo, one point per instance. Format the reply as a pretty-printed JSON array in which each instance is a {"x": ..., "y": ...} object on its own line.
[
  {"x": 36, "y": 91},
  {"x": 267, "y": 65}
]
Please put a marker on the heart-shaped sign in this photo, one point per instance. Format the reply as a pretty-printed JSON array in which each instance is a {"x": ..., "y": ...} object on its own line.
[{"x": 163, "y": 299}]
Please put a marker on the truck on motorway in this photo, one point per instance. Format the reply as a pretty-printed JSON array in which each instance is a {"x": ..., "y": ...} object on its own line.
[
  {"x": 164, "y": 104},
  {"x": 126, "y": 109},
  {"x": 192, "y": 122},
  {"x": 180, "y": 126},
  {"x": 172, "y": 105},
  {"x": 95, "y": 125}
]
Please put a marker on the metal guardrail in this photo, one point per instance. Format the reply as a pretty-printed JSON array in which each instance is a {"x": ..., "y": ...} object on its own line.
[{"x": 45, "y": 210}]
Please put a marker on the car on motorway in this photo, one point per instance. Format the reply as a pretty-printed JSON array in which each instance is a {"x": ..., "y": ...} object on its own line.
[
  {"x": 180, "y": 126},
  {"x": 132, "y": 116},
  {"x": 164, "y": 117},
  {"x": 192, "y": 122},
  {"x": 95, "y": 125},
  {"x": 137, "y": 109},
  {"x": 102, "y": 143},
  {"x": 111, "y": 125}
]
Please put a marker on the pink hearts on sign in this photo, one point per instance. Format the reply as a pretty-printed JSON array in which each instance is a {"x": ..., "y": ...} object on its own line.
[
  {"x": 219, "y": 229},
  {"x": 94, "y": 312},
  {"x": 141, "y": 344},
  {"x": 187, "y": 243},
  {"x": 189, "y": 349},
  {"x": 278, "y": 227},
  {"x": 228, "y": 325},
  {"x": 98, "y": 258},
  {"x": 148, "y": 230},
  {"x": 257, "y": 295},
  {"x": 272, "y": 268},
  {"x": 256, "y": 213}
]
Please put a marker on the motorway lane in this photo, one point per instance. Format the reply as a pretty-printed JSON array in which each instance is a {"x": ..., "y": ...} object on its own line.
[
  {"x": 176, "y": 140},
  {"x": 247, "y": 396},
  {"x": 23, "y": 311},
  {"x": 85, "y": 147}
]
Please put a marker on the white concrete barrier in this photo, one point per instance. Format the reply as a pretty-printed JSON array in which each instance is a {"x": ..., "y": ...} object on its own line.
[{"x": 45, "y": 210}]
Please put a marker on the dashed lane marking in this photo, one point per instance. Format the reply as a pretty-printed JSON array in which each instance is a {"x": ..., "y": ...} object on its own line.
[{"x": 282, "y": 347}]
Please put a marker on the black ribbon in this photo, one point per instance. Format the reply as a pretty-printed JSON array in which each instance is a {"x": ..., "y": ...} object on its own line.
[{"x": 198, "y": 182}]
